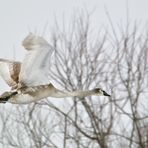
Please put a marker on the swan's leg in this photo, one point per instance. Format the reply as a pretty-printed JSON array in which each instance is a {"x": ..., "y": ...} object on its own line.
[
  {"x": 3, "y": 101},
  {"x": 6, "y": 96}
]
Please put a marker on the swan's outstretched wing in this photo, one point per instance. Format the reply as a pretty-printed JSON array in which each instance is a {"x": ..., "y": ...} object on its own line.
[
  {"x": 35, "y": 66},
  {"x": 9, "y": 71}
]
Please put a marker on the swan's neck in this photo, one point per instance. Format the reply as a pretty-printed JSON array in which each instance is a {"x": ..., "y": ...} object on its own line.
[
  {"x": 51, "y": 91},
  {"x": 63, "y": 94}
]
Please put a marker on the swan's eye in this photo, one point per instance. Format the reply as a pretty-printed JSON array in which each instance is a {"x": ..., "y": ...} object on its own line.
[{"x": 98, "y": 90}]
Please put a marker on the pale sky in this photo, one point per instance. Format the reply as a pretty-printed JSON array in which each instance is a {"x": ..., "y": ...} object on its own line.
[{"x": 18, "y": 17}]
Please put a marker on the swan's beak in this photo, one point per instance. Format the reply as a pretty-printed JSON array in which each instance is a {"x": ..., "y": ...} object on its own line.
[{"x": 106, "y": 94}]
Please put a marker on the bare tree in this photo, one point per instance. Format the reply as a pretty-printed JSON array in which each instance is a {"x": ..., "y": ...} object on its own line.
[{"x": 115, "y": 60}]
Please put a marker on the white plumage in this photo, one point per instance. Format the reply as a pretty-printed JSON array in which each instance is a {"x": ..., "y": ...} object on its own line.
[
  {"x": 29, "y": 79},
  {"x": 9, "y": 71},
  {"x": 35, "y": 66}
]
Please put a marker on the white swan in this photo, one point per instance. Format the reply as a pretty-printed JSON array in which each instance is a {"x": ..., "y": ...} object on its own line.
[{"x": 29, "y": 80}]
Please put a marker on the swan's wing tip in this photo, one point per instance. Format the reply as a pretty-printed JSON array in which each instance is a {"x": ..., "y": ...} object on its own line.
[
  {"x": 9, "y": 71},
  {"x": 32, "y": 41}
]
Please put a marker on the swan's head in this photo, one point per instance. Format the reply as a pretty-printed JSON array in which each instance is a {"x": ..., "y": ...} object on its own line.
[{"x": 100, "y": 92}]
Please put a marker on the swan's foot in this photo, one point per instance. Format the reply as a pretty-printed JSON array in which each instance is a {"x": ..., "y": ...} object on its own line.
[{"x": 6, "y": 96}]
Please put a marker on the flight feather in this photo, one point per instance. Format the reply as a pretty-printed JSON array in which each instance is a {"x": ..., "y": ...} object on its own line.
[
  {"x": 9, "y": 71},
  {"x": 35, "y": 66}
]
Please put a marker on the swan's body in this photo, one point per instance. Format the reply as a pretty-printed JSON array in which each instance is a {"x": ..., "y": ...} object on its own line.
[
  {"x": 29, "y": 79},
  {"x": 31, "y": 94}
]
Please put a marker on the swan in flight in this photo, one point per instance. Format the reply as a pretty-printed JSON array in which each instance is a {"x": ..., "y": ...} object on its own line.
[{"x": 29, "y": 80}]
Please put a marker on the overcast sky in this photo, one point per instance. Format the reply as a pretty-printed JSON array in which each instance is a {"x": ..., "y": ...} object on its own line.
[{"x": 18, "y": 17}]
